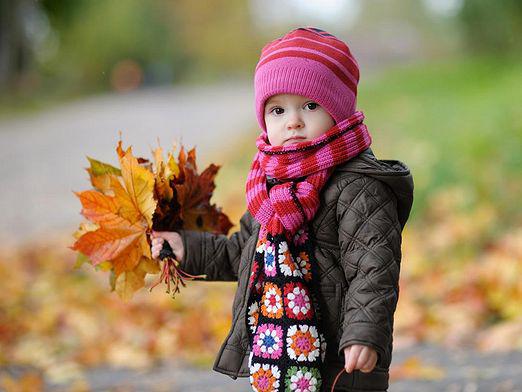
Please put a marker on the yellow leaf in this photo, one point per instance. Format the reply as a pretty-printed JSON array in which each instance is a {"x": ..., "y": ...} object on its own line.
[
  {"x": 98, "y": 168},
  {"x": 145, "y": 246},
  {"x": 99, "y": 175},
  {"x": 126, "y": 206},
  {"x": 149, "y": 266},
  {"x": 172, "y": 167},
  {"x": 139, "y": 183},
  {"x": 127, "y": 283}
]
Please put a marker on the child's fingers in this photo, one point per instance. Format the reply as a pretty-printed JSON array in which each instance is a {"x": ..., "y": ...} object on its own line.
[
  {"x": 157, "y": 241},
  {"x": 351, "y": 358},
  {"x": 367, "y": 368},
  {"x": 173, "y": 239},
  {"x": 369, "y": 365},
  {"x": 363, "y": 358},
  {"x": 157, "y": 245},
  {"x": 347, "y": 356}
]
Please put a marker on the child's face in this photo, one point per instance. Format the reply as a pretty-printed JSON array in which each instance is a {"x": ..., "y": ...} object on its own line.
[{"x": 293, "y": 119}]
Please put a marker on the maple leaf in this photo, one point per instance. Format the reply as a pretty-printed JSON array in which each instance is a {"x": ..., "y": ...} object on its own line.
[
  {"x": 184, "y": 203},
  {"x": 128, "y": 282},
  {"x": 128, "y": 202},
  {"x": 99, "y": 174},
  {"x": 189, "y": 207},
  {"x": 139, "y": 183},
  {"x": 123, "y": 219}
]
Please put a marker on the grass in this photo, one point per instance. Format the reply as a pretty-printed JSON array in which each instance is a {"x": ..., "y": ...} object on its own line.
[{"x": 454, "y": 122}]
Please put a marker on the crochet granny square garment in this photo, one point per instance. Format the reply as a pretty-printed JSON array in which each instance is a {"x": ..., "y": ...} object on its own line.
[{"x": 287, "y": 346}]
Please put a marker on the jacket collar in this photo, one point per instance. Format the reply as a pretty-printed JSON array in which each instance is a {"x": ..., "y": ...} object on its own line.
[{"x": 393, "y": 173}]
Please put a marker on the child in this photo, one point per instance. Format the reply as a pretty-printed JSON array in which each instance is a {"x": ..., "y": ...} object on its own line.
[{"x": 318, "y": 253}]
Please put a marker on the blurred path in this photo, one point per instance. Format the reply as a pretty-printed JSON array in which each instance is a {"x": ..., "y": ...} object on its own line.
[
  {"x": 42, "y": 155},
  {"x": 465, "y": 371}
]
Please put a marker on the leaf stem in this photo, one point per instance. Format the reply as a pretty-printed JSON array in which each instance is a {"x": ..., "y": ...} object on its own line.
[{"x": 171, "y": 273}]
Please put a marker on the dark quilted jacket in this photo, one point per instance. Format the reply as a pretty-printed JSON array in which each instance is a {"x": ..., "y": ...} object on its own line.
[{"x": 357, "y": 229}]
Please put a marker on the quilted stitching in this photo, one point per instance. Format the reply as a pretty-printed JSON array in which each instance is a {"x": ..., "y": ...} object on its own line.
[{"x": 369, "y": 236}]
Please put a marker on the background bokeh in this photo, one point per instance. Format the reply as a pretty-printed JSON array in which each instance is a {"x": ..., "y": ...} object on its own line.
[{"x": 440, "y": 88}]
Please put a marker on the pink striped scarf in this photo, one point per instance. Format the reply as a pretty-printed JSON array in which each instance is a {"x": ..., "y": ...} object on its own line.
[{"x": 291, "y": 203}]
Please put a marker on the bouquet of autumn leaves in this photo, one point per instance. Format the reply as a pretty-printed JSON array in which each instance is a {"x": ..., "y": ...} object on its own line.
[{"x": 129, "y": 202}]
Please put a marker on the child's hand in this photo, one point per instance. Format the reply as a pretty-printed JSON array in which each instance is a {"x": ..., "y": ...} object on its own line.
[
  {"x": 174, "y": 240},
  {"x": 360, "y": 357}
]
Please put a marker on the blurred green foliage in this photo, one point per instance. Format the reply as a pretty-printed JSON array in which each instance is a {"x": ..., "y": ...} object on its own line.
[
  {"x": 96, "y": 35},
  {"x": 453, "y": 122},
  {"x": 492, "y": 26},
  {"x": 171, "y": 41}
]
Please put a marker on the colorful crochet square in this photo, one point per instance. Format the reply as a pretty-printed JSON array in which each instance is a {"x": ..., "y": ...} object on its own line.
[
  {"x": 268, "y": 342},
  {"x": 272, "y": 301},
  {"x": 264, "y": 378},
  {"x": 303, "y": 263},
  {"x": 302, "y": 379},
  {"x": 270, "y": 259},
  {"x": 302, "y": 343},
  {"x": 287, "y": 265},
  {"x": 297, "y": 301}
]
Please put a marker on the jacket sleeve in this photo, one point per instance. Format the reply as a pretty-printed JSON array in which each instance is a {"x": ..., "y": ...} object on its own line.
[
  {"x": 215, "y": 255},
  {"x": 370, "y": 242}
]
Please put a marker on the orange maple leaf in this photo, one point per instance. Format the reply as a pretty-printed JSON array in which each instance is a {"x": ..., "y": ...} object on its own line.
[
  {"x": 123, "y": 219},
  {"x": 128, "y": 202}
]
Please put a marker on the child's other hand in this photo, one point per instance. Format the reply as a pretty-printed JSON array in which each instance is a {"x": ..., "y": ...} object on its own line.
[
  {"x": 360, "y": 357},
  {"x": 174, "y": 240}
]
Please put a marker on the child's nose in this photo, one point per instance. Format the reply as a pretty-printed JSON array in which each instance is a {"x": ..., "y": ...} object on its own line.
[{"x": 294, "y": 121}]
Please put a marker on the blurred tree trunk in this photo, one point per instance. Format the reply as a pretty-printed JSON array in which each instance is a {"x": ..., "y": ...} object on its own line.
[{"x": 15, "y": 51}]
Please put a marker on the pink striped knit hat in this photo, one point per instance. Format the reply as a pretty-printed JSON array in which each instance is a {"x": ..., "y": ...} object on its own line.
[{"x": 310, "y": 62}]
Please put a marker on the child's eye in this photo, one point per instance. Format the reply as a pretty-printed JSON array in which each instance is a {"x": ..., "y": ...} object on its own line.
[
  {"x": 312, "y": 105},
  {"x": 277, "y": 110}
]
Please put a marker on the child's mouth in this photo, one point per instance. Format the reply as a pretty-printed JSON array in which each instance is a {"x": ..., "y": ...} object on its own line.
[{"x": 295, "y": 139}]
